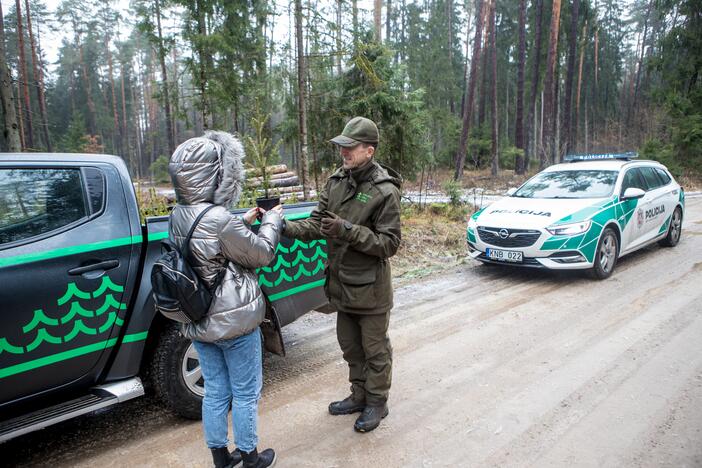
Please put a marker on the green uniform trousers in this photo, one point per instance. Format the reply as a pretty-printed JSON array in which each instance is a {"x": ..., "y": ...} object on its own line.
[{"x": 366, "y": 347}]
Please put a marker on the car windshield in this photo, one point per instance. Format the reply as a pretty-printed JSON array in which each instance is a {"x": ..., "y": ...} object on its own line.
[{"x": 569, "y": 184}]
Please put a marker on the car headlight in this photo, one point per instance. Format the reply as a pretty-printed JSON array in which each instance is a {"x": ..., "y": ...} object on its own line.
[{"x": 571, "y": 229}]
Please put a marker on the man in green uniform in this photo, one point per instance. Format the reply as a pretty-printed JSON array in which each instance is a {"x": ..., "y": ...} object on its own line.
[{"x": 359, "y": 215}]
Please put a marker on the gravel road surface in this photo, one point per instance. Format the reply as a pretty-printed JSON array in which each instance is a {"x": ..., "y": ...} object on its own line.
[{"x": 493, "y": 366}]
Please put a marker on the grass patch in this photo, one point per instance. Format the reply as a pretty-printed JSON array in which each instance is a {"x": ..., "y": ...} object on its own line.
[{"x": 433, "y": 239}]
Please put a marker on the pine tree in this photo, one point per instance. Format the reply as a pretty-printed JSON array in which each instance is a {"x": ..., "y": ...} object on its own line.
[{"x": 548, "y": 146}]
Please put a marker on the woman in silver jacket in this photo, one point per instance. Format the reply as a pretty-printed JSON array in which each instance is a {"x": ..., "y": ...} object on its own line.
[{"x": 224, "y": 252}]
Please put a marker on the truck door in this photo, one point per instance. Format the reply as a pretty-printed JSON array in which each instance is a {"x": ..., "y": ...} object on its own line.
[{"x": 65, "y": 246}]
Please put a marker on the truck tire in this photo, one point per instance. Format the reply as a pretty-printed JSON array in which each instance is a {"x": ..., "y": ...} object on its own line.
[{"x": 174, "y": 360}]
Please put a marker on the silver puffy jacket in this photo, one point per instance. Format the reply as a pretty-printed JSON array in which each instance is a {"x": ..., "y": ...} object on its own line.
[{"x": 207, "y": 170}]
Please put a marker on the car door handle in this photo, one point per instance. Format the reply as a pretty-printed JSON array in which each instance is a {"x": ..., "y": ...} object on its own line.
[{"x": 106, "y": 265}]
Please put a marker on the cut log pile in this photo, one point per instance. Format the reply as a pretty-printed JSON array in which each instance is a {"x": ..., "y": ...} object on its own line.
[{"x": 281, "y": 181}]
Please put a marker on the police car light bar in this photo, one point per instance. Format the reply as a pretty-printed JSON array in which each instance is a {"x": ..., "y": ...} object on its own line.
[{"x": 597, "y": 157}]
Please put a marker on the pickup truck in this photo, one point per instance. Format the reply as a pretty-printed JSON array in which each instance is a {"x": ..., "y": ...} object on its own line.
[{"x": 78, "y": 328}]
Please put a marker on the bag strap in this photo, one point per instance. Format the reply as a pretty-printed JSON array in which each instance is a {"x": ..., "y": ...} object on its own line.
[{"x": 186, "y": 246}]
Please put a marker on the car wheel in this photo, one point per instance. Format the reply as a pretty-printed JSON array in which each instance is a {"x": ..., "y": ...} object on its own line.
[
  {"x": 606, "y": 255},
  {"x": 674, "y": 231},
  {"x": 175, "y": 373}
]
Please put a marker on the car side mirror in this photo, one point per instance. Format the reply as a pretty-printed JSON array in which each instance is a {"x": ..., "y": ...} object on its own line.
[
  {"x": 511, "y": 191},
  {"x": 632, "y": 193}
]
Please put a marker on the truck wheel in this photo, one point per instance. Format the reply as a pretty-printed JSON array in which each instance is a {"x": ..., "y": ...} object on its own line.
[
  {"x": 673, "y": 237},
  {"x": 606, "y": 255},
  {"x": 175, "y": 373}
]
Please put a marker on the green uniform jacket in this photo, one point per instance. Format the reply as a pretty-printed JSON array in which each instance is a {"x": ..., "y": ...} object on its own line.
[{"x": 358, "y": 272}]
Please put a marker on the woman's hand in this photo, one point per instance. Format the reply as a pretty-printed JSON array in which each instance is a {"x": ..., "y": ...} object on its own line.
[{"x": 251, "y": 215}]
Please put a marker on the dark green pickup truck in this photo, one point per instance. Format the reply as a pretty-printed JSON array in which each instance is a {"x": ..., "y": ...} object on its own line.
[{"x": 78, "y": 329}]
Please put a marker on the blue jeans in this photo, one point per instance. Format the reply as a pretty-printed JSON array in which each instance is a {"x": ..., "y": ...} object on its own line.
[{"x": 233, "y": 373}]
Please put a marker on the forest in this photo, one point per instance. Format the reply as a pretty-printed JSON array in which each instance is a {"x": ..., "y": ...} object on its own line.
[{"x": 488, "y": 84}]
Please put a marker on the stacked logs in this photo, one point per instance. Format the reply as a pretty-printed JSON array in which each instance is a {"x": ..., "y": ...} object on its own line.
[{"x": 281, "y": 181}]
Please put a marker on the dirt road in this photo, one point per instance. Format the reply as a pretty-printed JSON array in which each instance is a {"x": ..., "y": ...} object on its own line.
[{"x": 492, "y": 367}]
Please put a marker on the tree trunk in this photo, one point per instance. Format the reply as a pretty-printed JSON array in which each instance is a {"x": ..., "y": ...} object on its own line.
[
  {"x": 521, "y": 62},
  {"x": 24, "y": 77},
  {"x": 377, "y": 14},
  {"x": 449, "y": 18},
  {"x": 38, "y": 80},
  {"x": 465, "y": 64},
  {"x": 495, "y": 166},
  {"x": 137, "y": 135},
  {"x": 632, "y": 108},
  {"x": 534, "y": 87},
  {"x": 20, "y": 119},
  {"x": 570, "y": 71},
  {"x": 338, "y": 37},
  {"x": 124, "y": 130},
  {"x": 597, "y": 52},
  {"x": 388, "y": 20},
  {"x": 555, "y": 127},
  {"x": 548, "y": 143},
  {"x": 115, "y": 112},
  {"x": 302, "y": 92},
  {"x": 576, "y": 123},
  {"x": 484, "y": 67},
  {"x": 177, "y": 93},
  {"x": 11, "y": 130},
  {"x": 505, "y": 131},
  {"x": 202, "y": 31},
  {"x": 162, "y": 60},
  {"x": 587, "y": 134},
  {"x": 153, "y": 110},
  {"x": 92, "y": 125},
  {"x": 403, "y": 38},
  {"x": 468, "y": 105},
  {"x": 354, "y": 17}
]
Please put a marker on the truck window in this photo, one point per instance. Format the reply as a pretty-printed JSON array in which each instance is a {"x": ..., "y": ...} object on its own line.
[
  {"x": 38, "y": 201},
  {"x": 95, "y": 184}
]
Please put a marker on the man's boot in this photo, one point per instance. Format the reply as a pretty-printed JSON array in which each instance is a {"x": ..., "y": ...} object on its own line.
[
  {"x": 346, "y": 406},
  {"x": 223, "y": 459},
  {"x": 254, "y": 459},
  {"x": 370, "y": 418}
]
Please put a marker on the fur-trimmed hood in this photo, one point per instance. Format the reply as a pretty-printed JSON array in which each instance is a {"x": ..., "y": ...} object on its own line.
[{"x": 208, "y": 169}]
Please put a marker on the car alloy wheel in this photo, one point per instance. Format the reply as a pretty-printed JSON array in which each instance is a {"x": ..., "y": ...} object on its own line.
[
  {"x": 191, "y": 371},
  {"x": 675, "y": 227},
  {"x": 608, "y": 252}
]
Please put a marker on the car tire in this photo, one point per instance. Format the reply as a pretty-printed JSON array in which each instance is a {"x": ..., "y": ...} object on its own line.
[
  {"x": 674, "y": 230},
  {"x": 172, "y": 370},
  {"x": 605, "y": 255}
]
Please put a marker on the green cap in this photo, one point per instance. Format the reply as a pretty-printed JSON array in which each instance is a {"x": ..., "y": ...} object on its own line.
[{"x": 358, "y": 130}]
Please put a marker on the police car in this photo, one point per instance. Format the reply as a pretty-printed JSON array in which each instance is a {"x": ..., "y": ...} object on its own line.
[{"x": 582, "y": 214}]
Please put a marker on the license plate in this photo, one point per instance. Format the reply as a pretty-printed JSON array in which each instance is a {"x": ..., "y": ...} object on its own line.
[{"x": 504, "y": 255}]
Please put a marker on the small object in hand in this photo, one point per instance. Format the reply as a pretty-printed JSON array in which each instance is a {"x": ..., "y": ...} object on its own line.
[
  {"x": 259, "y": 213},
  {"x": 251, "y": 215}
]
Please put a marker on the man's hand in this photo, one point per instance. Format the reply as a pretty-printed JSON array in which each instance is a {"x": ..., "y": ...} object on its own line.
[
  {"x": 277, "y": 209},
  {"x": 332, "y": 225}
]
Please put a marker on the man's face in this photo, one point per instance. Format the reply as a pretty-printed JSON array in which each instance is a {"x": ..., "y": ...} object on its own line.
[{"x": 356, "y": 156}]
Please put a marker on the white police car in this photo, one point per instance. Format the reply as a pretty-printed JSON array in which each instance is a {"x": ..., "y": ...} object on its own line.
[{"x": 584, "y": 214}]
